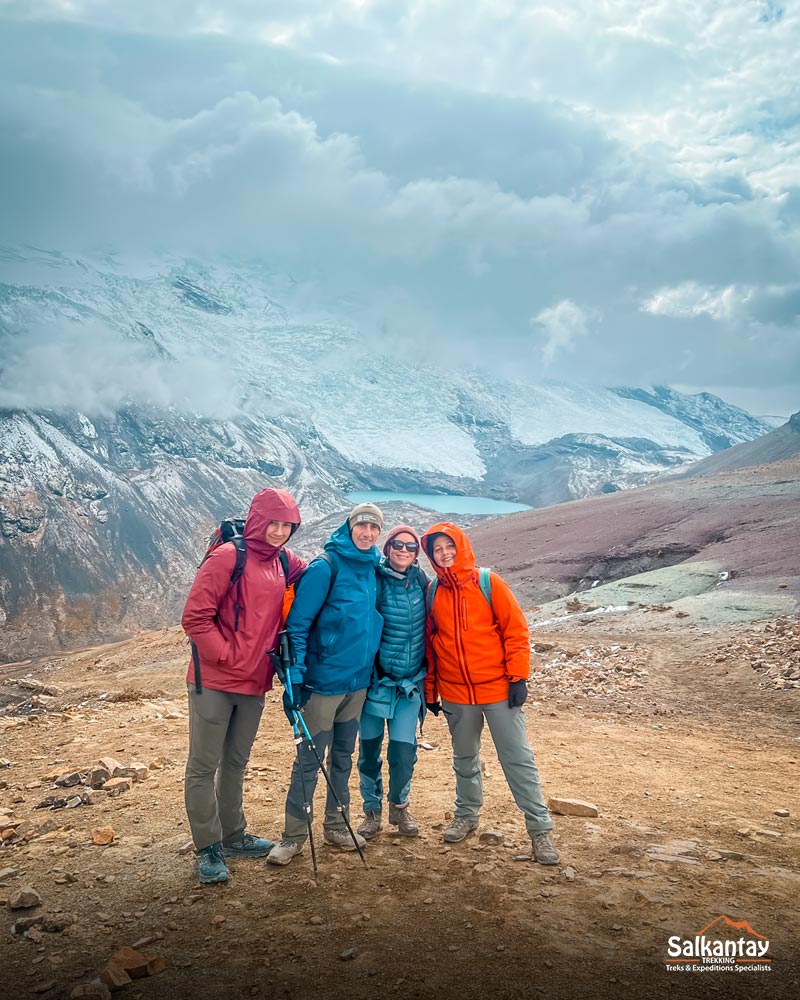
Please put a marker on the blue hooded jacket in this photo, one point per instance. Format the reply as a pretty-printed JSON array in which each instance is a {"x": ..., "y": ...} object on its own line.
[{"x": 335, "y": 631}]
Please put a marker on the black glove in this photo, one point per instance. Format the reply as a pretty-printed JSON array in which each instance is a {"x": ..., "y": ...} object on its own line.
[
  {"x": 291, "y": 705},
  {"x": 433, "y": 706},
  {"x": 517, "y": 693}
]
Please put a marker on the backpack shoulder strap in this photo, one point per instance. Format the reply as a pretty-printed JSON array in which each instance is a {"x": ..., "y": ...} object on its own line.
[
  {"x": 485, "y": 583},
  {"x": 241, "y": 558},
  {"x": 284, "y": 561},
  {"x": 236, "y": 577},
  {"x": 431, "y": 594},
  {"x": 333, "y": 564}
]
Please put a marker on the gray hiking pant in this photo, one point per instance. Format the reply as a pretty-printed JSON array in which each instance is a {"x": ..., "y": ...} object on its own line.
[
  {"x": 332, "y": 721},
  {"x": 507, "y": 728},
  {"x": 222, "y": 727}
]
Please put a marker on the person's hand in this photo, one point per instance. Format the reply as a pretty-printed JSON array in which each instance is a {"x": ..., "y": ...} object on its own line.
[
  {"x": 433, "y": 706},
  {"x": 517, "y": 693},
  {"x": 291, "y": 705}
]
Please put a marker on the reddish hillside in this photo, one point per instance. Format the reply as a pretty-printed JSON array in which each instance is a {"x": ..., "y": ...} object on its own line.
[
  {"x": 746, "y": 519},
  {"x": 782, "y": 443}
]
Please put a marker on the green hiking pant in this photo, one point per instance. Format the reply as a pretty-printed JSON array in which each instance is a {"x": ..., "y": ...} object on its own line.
[
  {"x": 222, "y": 728},
  {"x": 332, "y": 721},
  {"x": 507, "y": 729}
]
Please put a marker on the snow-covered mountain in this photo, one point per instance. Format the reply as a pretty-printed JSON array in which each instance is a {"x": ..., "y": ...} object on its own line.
[{"x": 140, "y": 401}]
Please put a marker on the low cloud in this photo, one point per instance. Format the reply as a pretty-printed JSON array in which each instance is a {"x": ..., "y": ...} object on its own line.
[
  {"x": 429, "y": 199},
  {"x": 89, "y": 367},
  {"x": 562, "y": 324}
]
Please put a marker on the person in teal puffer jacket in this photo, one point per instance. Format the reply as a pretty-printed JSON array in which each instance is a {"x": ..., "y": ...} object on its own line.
[
  {"x": 335, "y": 629},
  {"x": 395, "y": 698}
]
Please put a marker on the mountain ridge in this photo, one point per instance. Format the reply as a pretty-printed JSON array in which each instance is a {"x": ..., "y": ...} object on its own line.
[{"x": 141, "y": 402}]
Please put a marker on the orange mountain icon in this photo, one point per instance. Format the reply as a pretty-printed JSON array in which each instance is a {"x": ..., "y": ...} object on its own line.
[{"x": 739, "y": 925}]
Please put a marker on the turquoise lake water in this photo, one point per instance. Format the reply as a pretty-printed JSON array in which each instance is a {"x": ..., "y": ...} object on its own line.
[{"x": 445, "y": 503}]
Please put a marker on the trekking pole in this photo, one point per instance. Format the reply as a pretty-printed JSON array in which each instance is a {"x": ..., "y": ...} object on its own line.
[
  {"x": 298, "y": 741},
  {"x": 286, "y": 665}
]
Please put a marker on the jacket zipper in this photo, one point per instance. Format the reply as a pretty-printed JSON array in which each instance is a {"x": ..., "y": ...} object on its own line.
[{"x": 461, "y": 654}]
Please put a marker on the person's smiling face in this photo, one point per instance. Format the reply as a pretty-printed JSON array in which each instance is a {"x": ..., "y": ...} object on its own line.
[
  {"x": 400, "y": 555},
  {"x": 278, "y": 532},
  {"x": 444, "y": 551},
  {"x": 364, "y": 535}
]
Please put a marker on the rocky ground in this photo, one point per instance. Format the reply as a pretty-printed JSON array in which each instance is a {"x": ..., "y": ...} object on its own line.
[{"x": 679, "y": 736}]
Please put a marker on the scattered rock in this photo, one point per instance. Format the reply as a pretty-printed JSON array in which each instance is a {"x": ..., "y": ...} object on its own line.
[
  {"x": 679, "y": 859},
  {"x": 128, "y": 964},
  {"x": 31, "y": 684},
  {"x": 52, "y": 802},
  {"x": 317, "y": 920},
  {"x": 140, "y": 771},
  {"x": 102, "y": 836},
  {"x": 649, "y": 898},
  {"x": 98, "y": 776},
  {"x": 781, "y": 812},
  {"x": 8, "y": 873},
  {"x": 631, "y": 849},
  {"x": 493, "y": 838},
  {"x": 26, "y": 899},
  {"x": 116, "y": 786},
  {"x": 186, "y": 848},
  {"x": 68, "y": 780},
  {"x": 348, "y": 954},
  {"x": 569, "y": 874},
  {"x": 572, "y": 807},
  {"x": 4, "y": 762},
  {"x": 43, "y": 987},
  {"x": 55, "y": 923},
  {"x": 148, "y": 939}
]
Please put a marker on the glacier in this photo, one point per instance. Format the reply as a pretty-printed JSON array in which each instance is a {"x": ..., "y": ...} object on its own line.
[{"x": 140, "y": 400}]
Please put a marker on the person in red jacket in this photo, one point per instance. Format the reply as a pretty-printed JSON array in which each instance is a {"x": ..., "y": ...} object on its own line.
[
  {"x": 236, "y": 672},
  {"x": 479, "y": 657}
]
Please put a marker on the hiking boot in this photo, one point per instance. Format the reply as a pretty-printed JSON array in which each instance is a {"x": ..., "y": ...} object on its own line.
[
  {"x": 282, "y": 853},
  {"x": 459, "y": 828},
  {"x": 248, "y": 846},
  {"x": 343, "y": 840},
  {"x": 209, "y": 865},
  {"x": 371, "y": 826},
  {"x": 544, "y": 850},
  {"x": 400, "y": 817}
]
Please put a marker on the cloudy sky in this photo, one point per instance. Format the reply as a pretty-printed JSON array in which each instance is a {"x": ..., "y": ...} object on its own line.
[{"x": 579, "y": 190}]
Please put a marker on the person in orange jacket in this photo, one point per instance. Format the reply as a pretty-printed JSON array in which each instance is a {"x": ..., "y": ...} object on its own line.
[{"x": 479, "y": 656}]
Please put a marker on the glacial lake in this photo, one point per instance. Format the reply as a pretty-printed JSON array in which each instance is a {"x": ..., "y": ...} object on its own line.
[{"x": 445, "y": 503}]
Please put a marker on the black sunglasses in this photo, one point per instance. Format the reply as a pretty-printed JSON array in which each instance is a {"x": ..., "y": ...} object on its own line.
[{"x": 399, "y": 545}]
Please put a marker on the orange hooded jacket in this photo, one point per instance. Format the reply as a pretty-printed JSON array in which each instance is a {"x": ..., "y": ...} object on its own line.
[{"x": 473, "y": 650}]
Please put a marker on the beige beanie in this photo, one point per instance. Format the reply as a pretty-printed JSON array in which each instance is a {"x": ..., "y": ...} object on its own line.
[{"x": 365, "y": 513}]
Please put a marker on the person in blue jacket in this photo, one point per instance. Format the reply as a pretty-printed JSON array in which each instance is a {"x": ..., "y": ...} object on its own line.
[
  {"x": 335, "y": 630},
  {"x": 394, "y": 699}
]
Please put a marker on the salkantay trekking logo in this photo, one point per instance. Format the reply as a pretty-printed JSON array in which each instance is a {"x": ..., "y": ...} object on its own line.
[{"x": 720, "y": 951}]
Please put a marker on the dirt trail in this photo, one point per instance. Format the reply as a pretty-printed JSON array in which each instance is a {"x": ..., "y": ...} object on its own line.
[{"x": 687, "y": 771}]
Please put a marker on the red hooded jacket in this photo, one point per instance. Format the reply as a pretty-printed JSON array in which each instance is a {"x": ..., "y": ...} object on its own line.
[
  {"x": 473, "y": 650},
  {"x": 238, "y": 661}
]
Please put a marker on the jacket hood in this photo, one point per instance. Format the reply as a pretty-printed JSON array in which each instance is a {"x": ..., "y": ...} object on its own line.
[
  {"x": 269, "y": 505},
  {"x": 342, "y": 544},
  {"x": 463, "y": 568}
]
